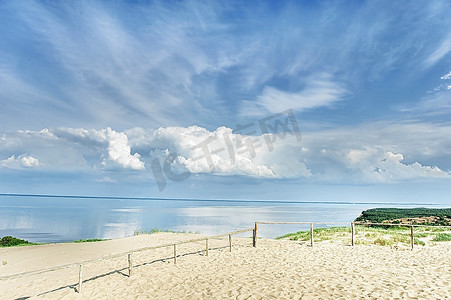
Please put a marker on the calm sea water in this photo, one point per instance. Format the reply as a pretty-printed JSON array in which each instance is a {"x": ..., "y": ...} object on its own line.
[{"x": 58, "y": 219}]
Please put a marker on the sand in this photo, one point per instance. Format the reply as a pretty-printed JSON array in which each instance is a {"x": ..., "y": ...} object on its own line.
[{"x": 274, "y": 270}]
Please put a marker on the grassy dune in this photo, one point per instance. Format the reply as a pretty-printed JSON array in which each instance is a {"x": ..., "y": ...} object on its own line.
[{"x": 392, "y": 236}]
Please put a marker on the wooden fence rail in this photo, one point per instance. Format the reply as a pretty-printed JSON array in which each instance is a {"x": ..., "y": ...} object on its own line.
[
  {"x": 206, "y": 239},
  {"x": 378, "y": 224},
  {"x": 330, "y": 223},
  {"x": 412, "y": 240},
  {"x": 353, "y": 224},
  {"x": 311, "y": 228},
  {"x": 129, "y": 256}
]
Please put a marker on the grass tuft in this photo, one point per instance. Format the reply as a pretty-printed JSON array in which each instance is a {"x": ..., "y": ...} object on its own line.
[
  {"x": 442, "y": 237},
  {"x": 157, "y": 230},
  {"x": 87, "y": 241}
]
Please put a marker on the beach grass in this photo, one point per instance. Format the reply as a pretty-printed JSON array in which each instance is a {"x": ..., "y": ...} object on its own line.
[
  {"x": 442, "y": 237},
  {"x": 10, "y": 241},
  {"x": 87, "y": 241},
  {"x": 376, "y": 235},
  {"x": 158, "y": 230},
  {"x": 320, "y": 234}
]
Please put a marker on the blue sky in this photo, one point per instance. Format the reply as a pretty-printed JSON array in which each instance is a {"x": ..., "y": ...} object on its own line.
[{"x": 95, "y": 95}]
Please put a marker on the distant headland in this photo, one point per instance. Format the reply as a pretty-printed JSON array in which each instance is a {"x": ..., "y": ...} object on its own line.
[{"x": 413, "y": 216}]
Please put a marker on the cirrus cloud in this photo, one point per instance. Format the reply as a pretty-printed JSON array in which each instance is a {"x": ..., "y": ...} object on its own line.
[{"x": 320, "y": 91}]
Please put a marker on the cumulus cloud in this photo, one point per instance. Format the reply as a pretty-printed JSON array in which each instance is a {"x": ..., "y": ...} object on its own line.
[
  {"x": 72, "y": 149},
  {"x": 22, "y": 161},
  {"x": 223, "y": 152},
  {"x": 379, "y": 152},
  {"x": 371, "y": 153},
  {"x": 377, "y": 165},
  {"x": 113, "y": 147},
  {"x": 119, "y": 151}
]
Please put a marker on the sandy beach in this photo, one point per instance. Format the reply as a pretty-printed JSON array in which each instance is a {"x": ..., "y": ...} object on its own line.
[{"x": 275, "y": 269}]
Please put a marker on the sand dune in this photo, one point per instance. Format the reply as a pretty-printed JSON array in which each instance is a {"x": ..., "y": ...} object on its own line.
[{"x": 274, "y": 270}]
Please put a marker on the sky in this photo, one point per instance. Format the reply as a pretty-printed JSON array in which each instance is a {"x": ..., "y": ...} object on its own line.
[{"x": 300, "y": 100}]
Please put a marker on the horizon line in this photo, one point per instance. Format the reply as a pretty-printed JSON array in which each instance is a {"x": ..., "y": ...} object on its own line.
[{"x": 204, "y": 200}]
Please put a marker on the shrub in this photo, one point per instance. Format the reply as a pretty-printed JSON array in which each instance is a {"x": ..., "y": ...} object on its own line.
[{"x": 9, "y": 241}]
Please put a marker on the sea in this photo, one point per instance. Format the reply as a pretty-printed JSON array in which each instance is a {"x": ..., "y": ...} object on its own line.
[{"x": 51, "y": 219}]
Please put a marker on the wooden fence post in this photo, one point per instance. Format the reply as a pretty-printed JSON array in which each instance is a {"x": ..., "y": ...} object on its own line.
[
  {"x": 254, "y": 236},
  {"x": 80, "y": 278},
  {"x": 352, "y": 233},
  {"x": 175, "y": 254},
  {"x": 206, "y": 247},
  {"x": 130, "y": 265},
  {"x": 230, "y": 242},
  {"x": 311, "y": 234},
  {"x": 411, "y": 237}
]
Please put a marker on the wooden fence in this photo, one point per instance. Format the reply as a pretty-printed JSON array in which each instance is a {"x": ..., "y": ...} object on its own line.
[
  {"x": 279, "y": 223},
  {"x": 353, "y": 236},
  {"x": 411, "y": 226},
  {"x": 206, "y": 239},
  {"x": 130, "y": 258}
]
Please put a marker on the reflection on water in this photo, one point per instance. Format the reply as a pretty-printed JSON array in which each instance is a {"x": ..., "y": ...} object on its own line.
[{"x": 40, "y": 219}]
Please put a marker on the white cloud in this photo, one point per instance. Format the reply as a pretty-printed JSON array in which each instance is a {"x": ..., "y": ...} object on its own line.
[
  {"x": 318, "y": 92},
  {"x": 379, "y": 152},
  {"x": 437, "y": 103},
  {"x": 447, "y": 76},
  {"x": 22, "y": 161},
  {"x": 123, "y": 73},
  {"x": 377, "y": 165},
  {"x": 112, "y": 146},
  {"x": 198, "y": 150},
  {"x": 440, "y": 52},
  {"x": 106, "y": 179},
  {"x": 119, "y": 151},
  {"x": 124, "y": 65},
  {"x": 72, "y": 149},
  {"x": 371, "y": 153},
  {"x": 437, "y": 92},
  {"x": 182, "y": 146}
]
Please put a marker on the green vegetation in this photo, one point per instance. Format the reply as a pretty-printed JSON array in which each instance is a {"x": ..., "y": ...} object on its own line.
[
  {"x": 157, "y": 230},
  {"x": 319, "y": 234},
  {"x": 152, "y": 231},
  {"x": 442, "y": 237},
  {"x": 87, "y": 241},
  {"x": 379, "y": 235},
  {"x": 425, "y": 216},
  {"x": 9, "y": 241}
]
